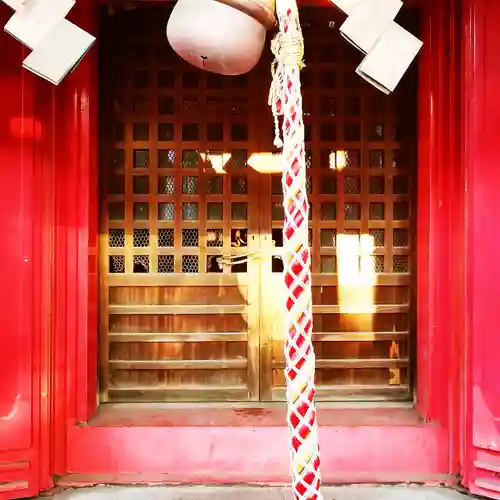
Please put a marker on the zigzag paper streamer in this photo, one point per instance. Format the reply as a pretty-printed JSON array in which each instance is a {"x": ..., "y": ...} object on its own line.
[
  {"x": 57, "y": 44},
  {"x": 389, "y": 48}
]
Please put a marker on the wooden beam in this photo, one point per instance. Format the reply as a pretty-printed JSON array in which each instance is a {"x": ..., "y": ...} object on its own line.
[
  {"x": 180, "y": 364},
  {"x": 354, "y": 393},
  {"x": 353, "y": 363},
  {"x": 178, "y": 337},
  {"x": 177, "y": 309},
  {"x": 175, "y": 393}
]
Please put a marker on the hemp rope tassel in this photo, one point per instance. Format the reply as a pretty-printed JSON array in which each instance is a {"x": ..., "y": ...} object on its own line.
[{"x": 285, "y": 100}]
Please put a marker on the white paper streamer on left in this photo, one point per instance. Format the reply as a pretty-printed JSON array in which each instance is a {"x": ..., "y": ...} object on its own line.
[{"x": 57, "y": 44}]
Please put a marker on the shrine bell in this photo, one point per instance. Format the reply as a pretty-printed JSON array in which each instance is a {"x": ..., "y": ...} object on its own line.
[{"x": 221, "y": 36}]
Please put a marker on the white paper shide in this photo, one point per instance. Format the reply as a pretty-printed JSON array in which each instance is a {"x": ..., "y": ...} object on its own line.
[
  {"x": 57, "y": 44},
  {"x": 389, "y": 48}
]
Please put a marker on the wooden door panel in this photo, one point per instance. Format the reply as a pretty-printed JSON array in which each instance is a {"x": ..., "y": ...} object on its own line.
[
  {"x": 180, "y": 341},
  {"x": 179, "y": 316},
  {"x": 163, "y": 341},
  {"x": 360, "y": 155},
  {"x": 185, "y": 315},
  {"x": 355, "y": 352}
]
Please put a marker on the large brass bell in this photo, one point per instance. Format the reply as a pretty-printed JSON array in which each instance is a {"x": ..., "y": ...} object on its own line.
[{"x": 221, "y": 36}]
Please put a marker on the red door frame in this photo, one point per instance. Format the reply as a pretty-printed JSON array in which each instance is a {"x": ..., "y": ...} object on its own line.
[
  {"x": 427, "y": 441},
  {"x": 481, "y": 113},
  {"x": 441, "y": 251},
  {"x": 208, "y": 454},
  {"x": 26, "y": 159}
]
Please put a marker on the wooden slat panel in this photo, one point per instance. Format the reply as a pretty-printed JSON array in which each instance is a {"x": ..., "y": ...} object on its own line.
[
  {"x": 183, "y": 364},
  {"x": 179, "y": 337},
  {"x": 360, "y": 164},
  {"x": 178, "y": 394},
  {"x": 354, "y": 393},
  {"x": 169, "y": 312},
  {"x": 352, "y": 309},
  {"x": 358, "y": 336},
  {"x": 172, "y": 295},
  {"x": 170, "y": 316},
  {"x": 178, "y": 309},
  {"x": 353, "y": 363},
  {"x": 186, "y": 323},
  {"x": 319, "y": 279},
  {"x": 242, "y": 337},
  {"x": 212, "y": 280}
]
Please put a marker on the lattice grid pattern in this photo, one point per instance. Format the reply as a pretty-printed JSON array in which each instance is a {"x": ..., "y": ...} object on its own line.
[
  {"x": 360, "y": 159},
  {"x": 170, "y": 219},
  {"x": 358, "y": 151},
  {"x": 173, "y": 128},
  {"x": 167, "y": 216}
]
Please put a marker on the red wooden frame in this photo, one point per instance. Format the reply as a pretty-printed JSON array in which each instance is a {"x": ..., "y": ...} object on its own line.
[
  {"x": 21, "y": 408},
  {"x": 481, "y": 121},
  {"x": 441, "y": 239},
  {"x": 209, "y": 452}
]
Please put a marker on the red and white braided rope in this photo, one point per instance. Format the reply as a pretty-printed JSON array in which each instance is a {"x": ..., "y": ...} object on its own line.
[{"x": 286, "y": 101}]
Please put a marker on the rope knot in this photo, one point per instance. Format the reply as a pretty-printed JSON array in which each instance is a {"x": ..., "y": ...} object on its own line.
[{"x": 288, "y": 51}]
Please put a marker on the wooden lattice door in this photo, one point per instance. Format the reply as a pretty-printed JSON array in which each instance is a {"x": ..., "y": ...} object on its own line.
[
  {"x": 360, "y": 154},
  {"x": 179, "y": 324},
  {"x": 175, "y": 324}
]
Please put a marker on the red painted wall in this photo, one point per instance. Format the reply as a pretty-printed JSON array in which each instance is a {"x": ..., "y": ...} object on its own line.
[
  {"x": 24, "y": 391},
  {"x": 442, "y": 348},
  {"x": 481, "y": 107}
]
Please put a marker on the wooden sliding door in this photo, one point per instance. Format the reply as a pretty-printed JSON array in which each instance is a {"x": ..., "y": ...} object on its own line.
[
  {"x": 178, "y": 321},
  {"x": 360, "y": 155},
  {"x": 191, "y": 285}
]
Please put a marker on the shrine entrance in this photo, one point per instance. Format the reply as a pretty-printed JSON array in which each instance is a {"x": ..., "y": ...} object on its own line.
[{"x": 190, "y": 271}]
